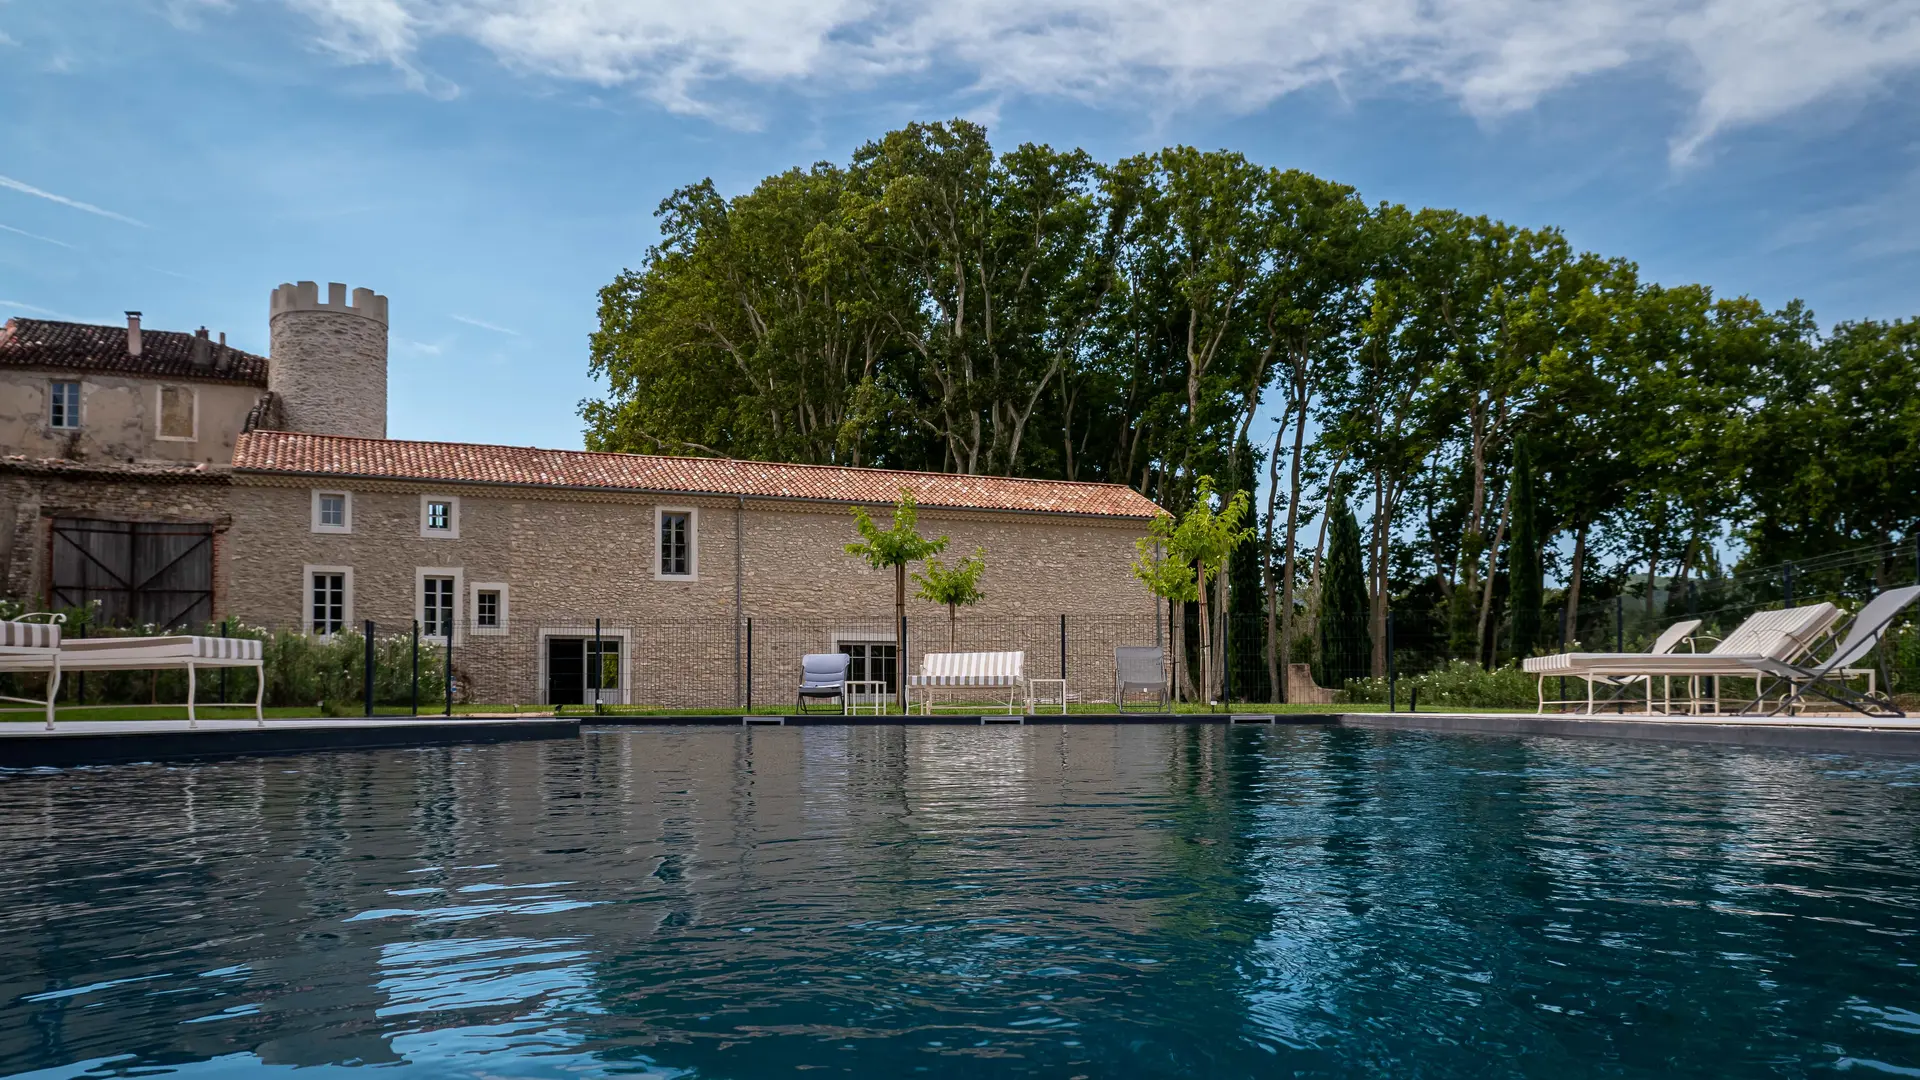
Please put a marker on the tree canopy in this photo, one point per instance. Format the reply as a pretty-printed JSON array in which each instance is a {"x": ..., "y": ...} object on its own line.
[{"x": 932, "y": 303}]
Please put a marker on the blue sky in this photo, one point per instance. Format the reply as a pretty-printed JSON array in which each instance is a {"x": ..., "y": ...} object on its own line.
[{"x": 489, "y": 164}]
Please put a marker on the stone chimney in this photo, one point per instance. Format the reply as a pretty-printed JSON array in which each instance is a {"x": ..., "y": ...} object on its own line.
[
  {"x": 133, "y": 333},
  {"x": 202, "y": 354},
  {"x": 222, "y": 357}
]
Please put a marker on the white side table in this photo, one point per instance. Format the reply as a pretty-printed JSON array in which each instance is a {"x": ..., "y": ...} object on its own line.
[
  {"x": 867, "y": 693},
  {"x": 1033, "y": 693}
]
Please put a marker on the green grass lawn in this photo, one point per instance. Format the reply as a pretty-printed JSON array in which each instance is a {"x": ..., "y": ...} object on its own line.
[{"x": 243, "y": 712}]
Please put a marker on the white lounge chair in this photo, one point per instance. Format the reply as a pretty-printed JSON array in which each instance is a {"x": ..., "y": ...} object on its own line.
[
  {"x": 1670, "y": 639},
  {"x": 992, "y": 671},
  {"x": 174, "y": 651},
  {"x": 31, "y": 647},
  {"x": 1783, "y": 635}
]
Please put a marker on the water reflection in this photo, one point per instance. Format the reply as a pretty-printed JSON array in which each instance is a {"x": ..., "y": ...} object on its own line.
[{"x": 1048, "y": 901}]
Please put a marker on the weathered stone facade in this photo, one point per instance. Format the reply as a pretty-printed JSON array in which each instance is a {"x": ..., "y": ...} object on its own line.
[
  {"x": 330, "y": 359},
  {"x": 121, "y": 417},
  {"x": 567, "y": 558},
  {"x": 34, "y": 494}
]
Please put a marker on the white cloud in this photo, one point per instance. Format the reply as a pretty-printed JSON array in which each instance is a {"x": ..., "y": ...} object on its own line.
[
  {"x": 484, "y": 325},
  {"x": 1742, "y": 62},
  {"x": 35, "y": 236},
  {"x": 29, "y": 189}
]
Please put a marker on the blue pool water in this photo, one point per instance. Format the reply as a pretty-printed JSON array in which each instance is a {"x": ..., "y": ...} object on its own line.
[{"x": 950, "y": 902}]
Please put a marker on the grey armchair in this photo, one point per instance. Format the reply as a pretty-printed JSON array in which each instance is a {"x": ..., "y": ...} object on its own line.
[
  {"x": 1139, "y": 667},
  {"x": 822, "y": 675}
]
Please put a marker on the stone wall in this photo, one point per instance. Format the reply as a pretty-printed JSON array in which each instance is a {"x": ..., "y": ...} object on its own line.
[
  {"x": 566, "y": 561},
  {"x": 329, "y": 360},
  {"x": 119, "y": 418},
  {"x": 32, "y": 495}
]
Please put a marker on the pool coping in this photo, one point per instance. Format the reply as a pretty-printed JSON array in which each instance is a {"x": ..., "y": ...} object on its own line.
[{"x": 81, "y": 742}]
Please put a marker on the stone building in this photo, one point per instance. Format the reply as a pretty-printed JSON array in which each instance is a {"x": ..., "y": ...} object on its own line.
[
  {"x": 116, "y": 446},
  {"x": 518, "y": 554},
  {"x": 176, "y": 481}
]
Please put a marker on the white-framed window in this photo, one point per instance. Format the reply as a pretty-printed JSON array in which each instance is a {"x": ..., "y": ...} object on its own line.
[
  {"x": 437, "y": 601},
  {"x": 329, "y": 598},
  {"x": 488, "y": 603},
  {"x": 63, "y": 405},
  {"x": 177, "y": 414},
  {"x": 676, "y": 549},
  {"x": 332, "y": 511},
  {"x": 440, "y": 517}
]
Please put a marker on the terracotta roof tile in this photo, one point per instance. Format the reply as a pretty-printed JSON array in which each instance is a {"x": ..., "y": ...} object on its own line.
[
  {"x": 65, "y": 346},
  {"x": 332, "y": 455}
]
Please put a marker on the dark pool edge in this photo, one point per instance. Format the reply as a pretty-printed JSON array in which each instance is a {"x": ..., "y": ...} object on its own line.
[
  {"x": 960, "y": 719},
  {"x": 68, "y": 749},
  {"x": 1819, "y": 740}
]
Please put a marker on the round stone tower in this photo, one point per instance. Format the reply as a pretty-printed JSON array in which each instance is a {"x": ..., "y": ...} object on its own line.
[{"x": 328, "y": 359}]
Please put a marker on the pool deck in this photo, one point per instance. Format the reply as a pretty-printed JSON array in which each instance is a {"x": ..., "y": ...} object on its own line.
[
  {"x": 110, "y": 742},
  {"x": 104, "y": 742}
]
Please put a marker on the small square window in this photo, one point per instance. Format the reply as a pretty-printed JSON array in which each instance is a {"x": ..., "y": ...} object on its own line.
[
  {"x": 439, "y": 516},
  {"x": 64, "y": 408},
  {"x": 333, "y": 511},
  {"x": 486, "y": 608}
]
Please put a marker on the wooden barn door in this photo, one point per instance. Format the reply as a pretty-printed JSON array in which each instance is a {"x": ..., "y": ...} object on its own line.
[{"x": 139, "y": 571}]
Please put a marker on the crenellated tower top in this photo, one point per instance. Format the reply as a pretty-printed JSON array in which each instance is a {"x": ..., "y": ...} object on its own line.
[{"x": 305, "y": 296}]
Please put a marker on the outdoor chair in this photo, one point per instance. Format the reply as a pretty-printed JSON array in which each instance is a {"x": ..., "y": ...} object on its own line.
[
  {"x": 33, "y": 647},
  {"x": 1780, "y": 635},
  {"x": 822, "y": 675},
  {"x": 1863, "y": 634},
  {"x": 1139, "y": 667}
]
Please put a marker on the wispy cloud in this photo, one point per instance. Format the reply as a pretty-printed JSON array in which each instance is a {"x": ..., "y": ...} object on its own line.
[
  {"x": 1879, "y": 226},
  {"x": 28, "y": 189},
  {"x": 484, "y": 325},
  {"x": 36, "y": 236},
  {"x": 1741, "y": 62}
]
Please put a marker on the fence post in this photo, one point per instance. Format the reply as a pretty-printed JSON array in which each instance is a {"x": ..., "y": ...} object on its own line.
[
  {"x": 1226, "y": 659},
  {"x": 367, "y": 675},
  {"x": 1786, "y": 575},
  {"x": 900, "y": 670},
  {"x": 1393, "y": 675},
  {"x": 1063, "y": 654},
  {"x": 226, "y": 630},
  {"x": 1176, "y": 644},
  {"x": 749, "y": 663},
  {"x": 599, "y": 665},
  {"x": 1620, "y": 622},
  {"x": 448, "y": 679},
  {"x": 416, "y": 667}
]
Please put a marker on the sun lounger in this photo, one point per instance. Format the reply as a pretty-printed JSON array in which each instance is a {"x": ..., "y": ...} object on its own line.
[
  {"x": 175, "y": 651},
  {"x": 1783, "y": 635},
  {"x": 1140, "y": 668},
  {"x": 31, "y": 647},
  {"x": 1670, "y": 639},
  {"x": 1829, "y": 679},
  {"x": 971, "y": 672}
]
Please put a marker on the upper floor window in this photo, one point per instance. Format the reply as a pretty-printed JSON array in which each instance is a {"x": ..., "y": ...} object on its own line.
[
  {"x": 676, "y": 556},
  {"x": 440, "y": 517},
  {"x": 332, "y": 511},
  {"x": 64, "y": 408},
  {"x": 179, "y": 409}
]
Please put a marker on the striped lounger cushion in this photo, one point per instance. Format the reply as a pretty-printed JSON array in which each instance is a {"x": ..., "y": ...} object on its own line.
[
  {"x": 174, "y": 647},
  {"x": 970, "y": 669},
  {"x": 26, "y": 635}
]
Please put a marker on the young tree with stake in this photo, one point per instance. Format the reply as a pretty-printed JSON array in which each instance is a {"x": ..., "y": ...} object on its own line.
[
  {"x": 892, "y": 549},
  {"x": 952, "y": 586}
]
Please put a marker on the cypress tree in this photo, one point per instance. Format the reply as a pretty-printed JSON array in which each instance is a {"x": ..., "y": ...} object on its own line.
[
  {"x": 1523, "y": 556},
  {"x": 1346, "y": 644},
  {"x": 1247, "y": 641}
]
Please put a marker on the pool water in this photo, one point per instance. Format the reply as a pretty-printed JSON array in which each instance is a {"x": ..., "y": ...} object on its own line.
[{"x": 953, "y": 902}]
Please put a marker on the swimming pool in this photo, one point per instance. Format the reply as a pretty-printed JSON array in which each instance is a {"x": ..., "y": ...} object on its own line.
[{"x": 952, "y": 902}]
